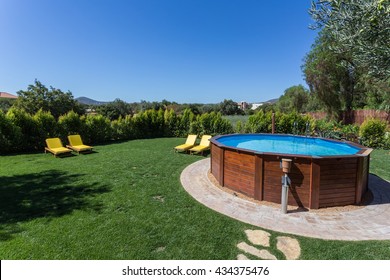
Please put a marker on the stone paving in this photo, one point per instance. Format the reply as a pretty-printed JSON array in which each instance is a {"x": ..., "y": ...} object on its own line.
[
  {"x": 371, "y": 222},
  {"x": 288, "y": 246}
]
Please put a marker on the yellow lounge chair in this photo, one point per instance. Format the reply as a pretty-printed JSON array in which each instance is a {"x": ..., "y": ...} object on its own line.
[
  {"x": 76, "y": 144},
  {"x": 203, "y": 145},
  {"x": 190, "y": 142},
  {"x": 54, "y": 146}
]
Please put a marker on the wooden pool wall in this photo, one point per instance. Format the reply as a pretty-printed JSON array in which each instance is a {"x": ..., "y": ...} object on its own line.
[{"x": 317, "y": 182}]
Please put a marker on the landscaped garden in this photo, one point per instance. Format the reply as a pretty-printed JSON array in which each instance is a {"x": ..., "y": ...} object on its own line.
[{"x": 125, "y": 201}]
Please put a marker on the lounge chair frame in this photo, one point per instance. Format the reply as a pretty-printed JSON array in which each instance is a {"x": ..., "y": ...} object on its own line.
[
  {"x": 77, "y": 145},
  {"x": 190, "y": 142},
  {"x": 204, "y": 145},
  {"x": 55, "y": 147}
]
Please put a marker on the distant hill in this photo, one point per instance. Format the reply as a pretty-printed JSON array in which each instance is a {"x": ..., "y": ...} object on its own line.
[
  {"x": 89, "y": 101},
  {"x": 272, "y": 101}
]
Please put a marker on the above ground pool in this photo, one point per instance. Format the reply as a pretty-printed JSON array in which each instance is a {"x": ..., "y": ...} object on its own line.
[{"x": 324, "y": 172}]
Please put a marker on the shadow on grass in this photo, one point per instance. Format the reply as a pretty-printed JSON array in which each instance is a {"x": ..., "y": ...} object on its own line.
[
  {"x": 380, "y": 189},
  {"x": 49, "y": 194}
]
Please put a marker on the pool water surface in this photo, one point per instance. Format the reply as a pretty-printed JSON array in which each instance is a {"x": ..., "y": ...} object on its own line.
[{"x": 297, "y": 145}]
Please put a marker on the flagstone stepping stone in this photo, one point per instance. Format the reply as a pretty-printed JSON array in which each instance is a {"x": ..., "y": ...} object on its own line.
[
  {"x": 159, "y": 198},
  {"x": 262, "y": 254},
  {"x": 289, "y": 247},
  {"x": 258, "y": 237},
  {"x": 242, "y": 257},
  {"x": 160, "y": 249}
]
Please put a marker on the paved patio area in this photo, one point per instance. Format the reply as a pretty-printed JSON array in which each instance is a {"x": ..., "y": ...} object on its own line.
[{"x": 371, "y": 222}]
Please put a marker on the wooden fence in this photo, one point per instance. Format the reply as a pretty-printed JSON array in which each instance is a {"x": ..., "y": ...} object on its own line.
[{"x": 356, "y": 116}]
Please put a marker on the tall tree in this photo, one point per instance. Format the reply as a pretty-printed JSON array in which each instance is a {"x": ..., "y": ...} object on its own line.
[
  {"x": 38, "y": 96},
  {"x": 295, "y": 98},
  {"x": 330, "y": 76},
  {"x": 361, "y": 27},
  {"x": 229, "y": 107},
  {"x": 113, "y": 110}
]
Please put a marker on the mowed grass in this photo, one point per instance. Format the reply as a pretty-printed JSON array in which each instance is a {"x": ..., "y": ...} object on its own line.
[
  {"x": 380, "y": 163},
  {"x": 125, "y": 201}
]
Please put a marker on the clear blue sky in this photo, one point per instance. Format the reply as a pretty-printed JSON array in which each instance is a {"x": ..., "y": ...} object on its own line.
[{"x": 181, "y": 50}]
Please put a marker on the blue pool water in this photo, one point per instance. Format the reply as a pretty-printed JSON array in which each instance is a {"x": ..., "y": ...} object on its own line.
[{"x": 288, "y": 144}]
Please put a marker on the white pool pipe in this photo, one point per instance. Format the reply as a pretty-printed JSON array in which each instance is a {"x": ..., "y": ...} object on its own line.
[{"x": 286, "y": 166}]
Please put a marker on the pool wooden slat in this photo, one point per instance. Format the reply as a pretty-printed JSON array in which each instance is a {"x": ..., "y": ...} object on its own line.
[{"x": 316, "y": 181}]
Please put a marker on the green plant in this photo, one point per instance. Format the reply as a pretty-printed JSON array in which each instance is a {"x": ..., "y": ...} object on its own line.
[
  {"x": 210, "y": 123},
  {"x": 46, "y": 126},
  {"x": 259, "y": 123},
  {"x": 328, "y": 129},
  {"x": 170, "y": 120},
  {"x": 221, "y": 125},
  {"x": 350, "y": 132},
  {"x": 28, "y": 127},
  {"x": 372, "y": 133},
  {"x": 239, "y": 127},
  {"x": 184, "y": 121},
  {"x": 10, "y": 135},
  {"x": 119, "y": 204},
  {"x": 386, "y": 142},
  {"x": 71, "y": 123},
  {"x": 293, "y": 123},
  {"x": 98, "y": 129}
]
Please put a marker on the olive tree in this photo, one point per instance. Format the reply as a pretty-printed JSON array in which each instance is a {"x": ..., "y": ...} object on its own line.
[{"x": 361, "y": 27}]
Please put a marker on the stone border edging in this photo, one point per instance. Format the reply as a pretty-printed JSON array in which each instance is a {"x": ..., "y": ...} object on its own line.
[{"x": 371, "y": 222}]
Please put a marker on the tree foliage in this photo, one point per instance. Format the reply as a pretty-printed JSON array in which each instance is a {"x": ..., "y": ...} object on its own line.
[
  {"x": 5, "y": 104},
  {"x": 39, "y": 97},
  {"x": 229, "y": 107},
  {"x": 372, "y": 132},
  {"x": 360, "y": 27},
  {"x": 295, "y": 98},
  {"x": 331, "y": 77},
  {"x": 114, "y": 110}
]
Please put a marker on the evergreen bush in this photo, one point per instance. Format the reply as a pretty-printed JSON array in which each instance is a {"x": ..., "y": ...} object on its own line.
[
  {"x": 71, "y": 123},
  {"x": 30, "y": 139},
  {"x": 98, "y": 129},
  {"x": 20, "y": 131},
  {"x": 372, "y": 133},
  {"x": 10, "y": 135}
]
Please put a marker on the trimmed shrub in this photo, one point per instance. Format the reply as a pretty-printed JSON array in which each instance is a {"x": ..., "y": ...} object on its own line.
[
  {"x": 386, "y": 143},
  {"x": 206, "y": 123},
  {"x": 293, "y": 123},
  {"x": 184, "y": 122},
  {"x": 71, "y": 123},
  {"x": 372, "y": 133},
  {"x": 19, "y": 131},
  {"x": 30, "y": 139},
  {"x": 46, "y": 126},
  {"x": 170, "y": 121},
  {"x": 211, "y": 123},
  {"x": 221, "y": 125},
  {"x": 149, "y": 124},
  {"x": 98, "y": 129},
  {"x": 259, "y": 123},
  {"x": 328, "y": 129},
  {"x": 240, "y": 128},
  {"x": 10, "y": 135}
]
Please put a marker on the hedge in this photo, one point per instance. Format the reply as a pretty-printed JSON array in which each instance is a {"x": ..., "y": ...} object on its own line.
[{"x": 20, "y": 131}]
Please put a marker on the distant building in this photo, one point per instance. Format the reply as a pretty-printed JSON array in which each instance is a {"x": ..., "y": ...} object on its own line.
[
  {"x": 256, "y": 105},
  {"x": 7, "y": 95},
  {"x": 243, "y": 105}
]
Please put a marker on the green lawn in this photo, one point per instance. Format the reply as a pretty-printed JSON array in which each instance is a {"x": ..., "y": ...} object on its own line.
[
  {"x": 125, "y": 201},
  {"x": 380, "y": 163}
]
